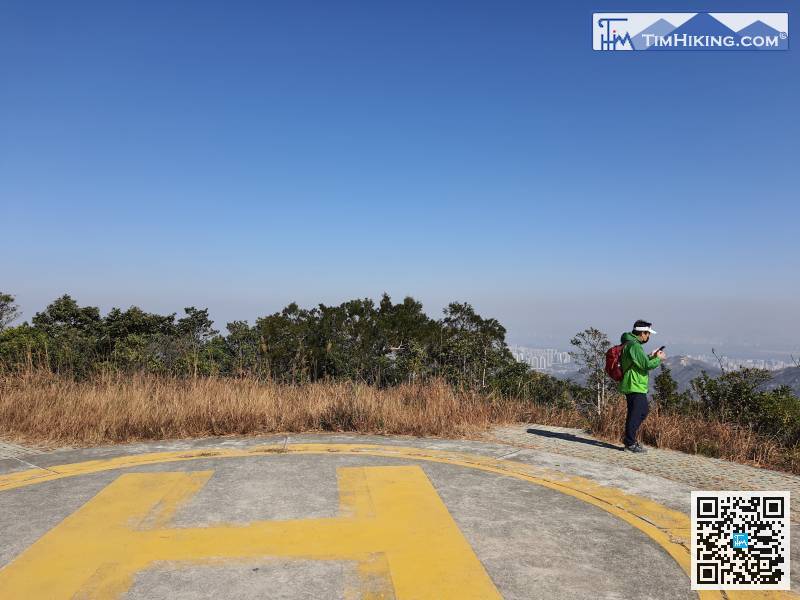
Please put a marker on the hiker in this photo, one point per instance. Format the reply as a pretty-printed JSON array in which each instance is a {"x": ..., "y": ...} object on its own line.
[{"x": 635, "y": 366}]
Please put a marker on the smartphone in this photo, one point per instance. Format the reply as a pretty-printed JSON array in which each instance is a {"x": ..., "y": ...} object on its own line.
[{"x": 661, "y": 349}]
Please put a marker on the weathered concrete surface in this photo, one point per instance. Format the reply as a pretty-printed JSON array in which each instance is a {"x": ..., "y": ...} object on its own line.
[
  {"x": 269, "y": 578},
  {"x": 532, "y": 541},
  {"x": 694, "y": 471},
  {"x": 665, "y": 476}
]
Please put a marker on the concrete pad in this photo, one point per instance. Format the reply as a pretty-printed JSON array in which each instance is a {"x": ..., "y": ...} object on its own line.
[
  {"x": 274, "y": 579},
  {"x": 532, "y": 540}
]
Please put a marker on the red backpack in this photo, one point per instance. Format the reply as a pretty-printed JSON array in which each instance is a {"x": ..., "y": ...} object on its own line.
[{"x": 614, "y": 362}]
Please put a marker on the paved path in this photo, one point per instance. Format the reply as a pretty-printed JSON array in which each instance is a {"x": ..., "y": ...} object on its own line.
[
  {"x": 549, "y": 514},
  {"x": 9, "y": 450},
  {"x": 697, "y": 472}
]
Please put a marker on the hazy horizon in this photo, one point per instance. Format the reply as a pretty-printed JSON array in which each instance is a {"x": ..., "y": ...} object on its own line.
[{"x": 545, "y": 327}]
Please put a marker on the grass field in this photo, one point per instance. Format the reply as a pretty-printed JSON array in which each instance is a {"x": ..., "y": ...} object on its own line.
[
  {"x": 696, "y": 435},
  {"x": 45, "y": 409}
]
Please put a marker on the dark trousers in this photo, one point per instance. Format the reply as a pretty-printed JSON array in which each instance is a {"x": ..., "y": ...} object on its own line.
[{"x": 637, "y": 411}]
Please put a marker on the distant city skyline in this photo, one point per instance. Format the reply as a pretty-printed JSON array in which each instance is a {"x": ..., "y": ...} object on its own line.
[
  {"x": 737, "y": 363},
  {"x": 541, "y": 359},
  {"x": 555, "y": 361}
]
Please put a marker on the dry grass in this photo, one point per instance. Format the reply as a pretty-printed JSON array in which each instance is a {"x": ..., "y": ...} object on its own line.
[
  {"x": 46, "y": 409},
  {"x": 700, "y": 436}
]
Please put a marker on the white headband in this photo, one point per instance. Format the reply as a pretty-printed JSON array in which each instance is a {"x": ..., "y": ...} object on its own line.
[{"x": 648, "y": 329}]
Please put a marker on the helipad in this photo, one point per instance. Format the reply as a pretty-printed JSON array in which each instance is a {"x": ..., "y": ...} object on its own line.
[{"x": 329, "y": 519}]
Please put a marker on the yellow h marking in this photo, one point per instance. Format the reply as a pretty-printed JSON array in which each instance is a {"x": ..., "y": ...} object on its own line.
[{"x": 392, "y": 522}]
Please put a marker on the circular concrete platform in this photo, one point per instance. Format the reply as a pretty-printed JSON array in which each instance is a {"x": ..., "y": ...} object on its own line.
[{"x": 245, "y": 519}]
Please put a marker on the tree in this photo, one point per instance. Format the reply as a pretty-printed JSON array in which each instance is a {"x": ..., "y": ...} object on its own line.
[
  {"x": 64, "y": 313},
  {"x": 779, "y": 415},
  {"x": 8, "y": 310},
  {"x": 591, "y": 346},
  {"x": 409, "y": 335},
  {"x": 472, "y": 349},
  {"x": 73, "y": 333},
  {"x": 355, "y": 347},
  {"x": 119, "y": 324},
  {"x": 734, "y": 396},
  {"x": 741, "y": 397},
  {"x": 359, "y": 340},
  {"x": 22, "y": 347},
  {"x": 242, "y": 345},
  {"x": 290, "y": 348},
  {"x": 196, "y": 331},
  {"x": 137, "y": 340},
  {"x": 665, "y": 392}
]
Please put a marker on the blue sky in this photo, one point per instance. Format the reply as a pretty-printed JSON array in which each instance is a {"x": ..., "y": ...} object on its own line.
[{"x": 243, "y": 155}]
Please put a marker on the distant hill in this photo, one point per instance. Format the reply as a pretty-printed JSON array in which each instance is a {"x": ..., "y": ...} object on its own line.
[
  {"x": 789, "y": 376},
  {"x": 684, "y": 369}
]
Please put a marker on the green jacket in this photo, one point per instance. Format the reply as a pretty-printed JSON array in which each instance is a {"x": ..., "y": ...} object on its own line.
[{"x": 635, "y": 365}]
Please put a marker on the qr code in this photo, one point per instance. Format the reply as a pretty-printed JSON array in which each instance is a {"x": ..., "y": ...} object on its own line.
[{"x": 740, "y": 540}]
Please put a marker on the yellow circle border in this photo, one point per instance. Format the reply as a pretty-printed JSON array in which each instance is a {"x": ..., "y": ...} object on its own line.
[{"x": 668, "y": 528}]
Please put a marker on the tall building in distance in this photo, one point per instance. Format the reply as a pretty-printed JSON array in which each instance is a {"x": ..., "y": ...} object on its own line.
[
  {"x": 731, "y": 364},
  {"x": 546, "y": 360}
]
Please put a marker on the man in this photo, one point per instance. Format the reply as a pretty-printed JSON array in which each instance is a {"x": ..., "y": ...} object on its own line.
[{"x": 636, "y": 366}]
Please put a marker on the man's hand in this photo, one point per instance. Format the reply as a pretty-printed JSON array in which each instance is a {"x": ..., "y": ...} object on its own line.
[{"x": 660, "y": 354}]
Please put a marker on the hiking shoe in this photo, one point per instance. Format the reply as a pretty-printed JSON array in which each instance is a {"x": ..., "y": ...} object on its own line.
[{"x": 637, "y": 448}]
